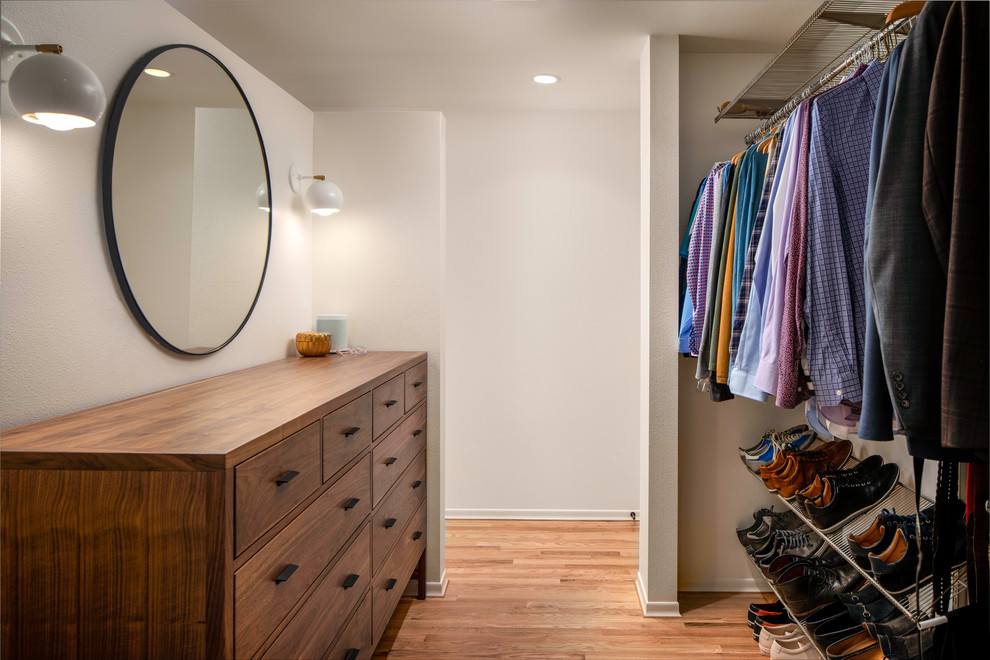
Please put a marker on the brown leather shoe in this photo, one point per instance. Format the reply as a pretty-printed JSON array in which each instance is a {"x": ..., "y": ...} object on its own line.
[{"x": 827, "y": 458}]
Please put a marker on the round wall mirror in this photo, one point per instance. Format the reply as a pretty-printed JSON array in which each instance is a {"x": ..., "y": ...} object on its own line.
[{"x": 186, "y": 200}]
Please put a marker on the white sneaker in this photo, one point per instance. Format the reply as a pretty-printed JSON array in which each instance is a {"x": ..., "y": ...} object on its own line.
[
  {"x": 794, "y": 649},
  {"x": 770, "y": 633}
]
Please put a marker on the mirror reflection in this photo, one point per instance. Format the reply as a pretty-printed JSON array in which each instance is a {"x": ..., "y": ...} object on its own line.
[{"x": 189, "y": 211}]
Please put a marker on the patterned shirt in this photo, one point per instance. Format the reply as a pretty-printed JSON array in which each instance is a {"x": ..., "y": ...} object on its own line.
[
  {"x": 699, "y": 251},
  {"x": 746, "y": 280},
  {"x": 839, "y": 161}
]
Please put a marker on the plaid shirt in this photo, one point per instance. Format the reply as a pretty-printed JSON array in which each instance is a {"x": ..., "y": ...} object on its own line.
[{"x": 699, "y": 252}]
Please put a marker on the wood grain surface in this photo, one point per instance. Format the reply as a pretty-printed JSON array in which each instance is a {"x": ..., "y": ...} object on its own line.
[
  {"x": 210, "y": 424},
  {"x": 530, "y": 590}
]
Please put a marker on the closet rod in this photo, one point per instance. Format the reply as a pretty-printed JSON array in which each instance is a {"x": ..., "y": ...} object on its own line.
[{"x": 871, "y": 46}]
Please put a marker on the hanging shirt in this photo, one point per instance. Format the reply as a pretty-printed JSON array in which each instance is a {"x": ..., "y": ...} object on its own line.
[
  {"x": 699, "y": 255},
  {"x": 747, "y": 358},
  {"x": 686, "y": 329},
  {"x": 835, "y": 310},
  {"x": 783, "y": 206},
  {"x": 718, "y": 360},
  {"x": 877, "y": 410},
  {"x": 792, "y": 387},
  {"x": 708, "y": 291},
  {"x": 754, "y": 203}
]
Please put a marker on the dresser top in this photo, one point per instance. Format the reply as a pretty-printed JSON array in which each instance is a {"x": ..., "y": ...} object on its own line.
[{"x": 205, "y": 425}]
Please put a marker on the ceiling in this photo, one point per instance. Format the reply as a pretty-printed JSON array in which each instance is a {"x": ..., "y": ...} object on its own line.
[{"x": 478, "y": 54}]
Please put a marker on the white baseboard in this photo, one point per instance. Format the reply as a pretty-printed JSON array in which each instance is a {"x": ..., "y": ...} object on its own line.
[
  {"x": 540, "y": 514},
  {"x": 734, "y": 585},
  {"x": 433, "y": 589},
  {"x": 656, "y": 608},
  {"x": 439, "y": 588}
]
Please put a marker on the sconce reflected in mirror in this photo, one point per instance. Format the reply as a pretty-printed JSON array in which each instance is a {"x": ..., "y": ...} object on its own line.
[
  {"x": 261, "y": 197},
  {"x": 47, "y": 87},
  {"x": 322, "y": 197}
]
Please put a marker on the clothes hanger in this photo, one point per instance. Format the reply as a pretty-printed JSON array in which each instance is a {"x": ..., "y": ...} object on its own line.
[{"x": 904, "y": 10}]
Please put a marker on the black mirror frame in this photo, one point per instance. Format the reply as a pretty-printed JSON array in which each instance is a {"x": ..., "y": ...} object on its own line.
[{"x": 106, "y": 188}]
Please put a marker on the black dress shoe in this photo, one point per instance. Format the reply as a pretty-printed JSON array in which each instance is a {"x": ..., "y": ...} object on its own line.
[
  {"x": 823, "y": 584},
  {"x": 896, "y": 626},
  {"x": 880, "y": 610},
  {"x": 917, "y": 644},
  {"x": 824, "y": 615},
  {"x": 865, "y": 594},
  {"x": 836, "y": 629},
  {"x": 868, "y": 464},
  {"x": 853, "y": 495}
]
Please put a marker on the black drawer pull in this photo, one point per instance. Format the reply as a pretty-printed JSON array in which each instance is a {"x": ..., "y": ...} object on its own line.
[
  {"x": 351, "y": 503},
  {"x": 417, "y": 383},
  {"x": 417, "y": 432},
  {"x": 418, "y": 484},
  {"x": 286, "y": 574},
  {"x": 390, "y": 460},
  {"x": 351, "y": 431},
  {"x": 351, "y": 580},
  {"x": 286, "y": 478},
  {"x": 390, "y": 523},
  {"x": 390, "y": 584},
  {"x": 352, "y": 654},
  {"x": 417, "y": 535},
  {"x": 390, "y": 403}
]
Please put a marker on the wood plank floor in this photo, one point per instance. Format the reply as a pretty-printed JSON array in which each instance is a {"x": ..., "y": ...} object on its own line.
[{"x": 546, "y": 589}]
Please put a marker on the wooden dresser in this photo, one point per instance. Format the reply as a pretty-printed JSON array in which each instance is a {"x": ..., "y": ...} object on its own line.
[{"x": 276, "y": 512}]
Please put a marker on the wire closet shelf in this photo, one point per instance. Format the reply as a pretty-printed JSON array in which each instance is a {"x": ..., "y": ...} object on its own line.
[{"x": 839, "y": 34}]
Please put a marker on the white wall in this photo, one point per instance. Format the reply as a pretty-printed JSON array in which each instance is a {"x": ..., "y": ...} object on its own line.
[
  {"x": 542, "y": 314},
  {"x": 381, "y": 259},
  {"x": 69, "y": 340},
  {"x": 659, "y": 529}
]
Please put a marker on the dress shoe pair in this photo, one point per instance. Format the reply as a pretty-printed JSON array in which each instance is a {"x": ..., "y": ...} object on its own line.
[
  {"x": 878, "y": 536},
  {"x": 846, "y": 497},
  {"x": 817, "y": 491},
  {"x": 817, "y": 587},
  {"x": 798, "y": 469}
]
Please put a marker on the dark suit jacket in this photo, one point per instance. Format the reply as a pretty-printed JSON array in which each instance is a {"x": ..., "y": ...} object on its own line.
[
  {"x": 956, "y": 175},
  {"x": 906, "y": 278}
]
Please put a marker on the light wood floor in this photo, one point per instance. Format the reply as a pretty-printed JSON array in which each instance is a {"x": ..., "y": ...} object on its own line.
[{"x": 545, "y": 589}]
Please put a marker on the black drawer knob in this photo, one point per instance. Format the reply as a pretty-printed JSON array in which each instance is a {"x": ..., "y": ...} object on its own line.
[
  {"x": 351, "y": 580},
  {"x": 286, "y": 478},
  {"x": 286, "y": 574},
  {"x": 352, "y": 654},
  {"x": 351, "y": 503},
  {"x": 390, "y": 522},
  {"x": 390, "y": 403},
  {"x": 418, "y": 483},
  {"x": 417, "y": 535},
  {"x": 417, "y": 383},
  {"x": 417, "y": 432},
  {"x": 351, "y": 431},
  {"x": 390, "y": 460},
  {"x": 390, "y": 584}
]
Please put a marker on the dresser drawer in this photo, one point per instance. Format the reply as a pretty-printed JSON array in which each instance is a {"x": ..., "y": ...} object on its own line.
[
  {"x": 355, "y": 641},
  {"x": 394, "y": 454},
  {"x": 269, "y": 485},
  {"x": 346, "y": 431},
  {"x": 266, "y": 586},
  {"x": 392, "y": 516},
  {"x": 415, "y": 385},
  {"x": 315, "y": 625},
  {"x": 389, "y": 583},
  {"x": 387, "y": 403}
]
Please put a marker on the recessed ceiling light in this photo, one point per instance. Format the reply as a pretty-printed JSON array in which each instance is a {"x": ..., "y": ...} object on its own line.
[
  {"x": 545, "y": 79},
  {"x": 158, "y": 73}
]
